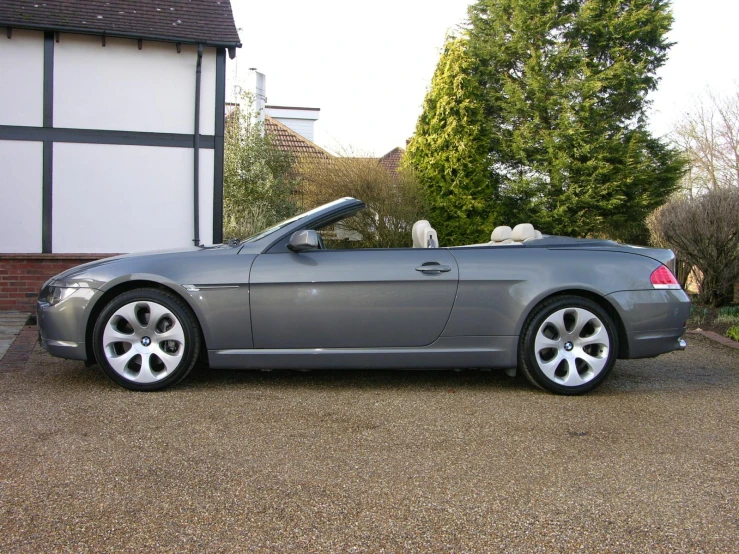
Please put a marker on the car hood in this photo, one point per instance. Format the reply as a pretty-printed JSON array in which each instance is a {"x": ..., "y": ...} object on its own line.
[{"x": 105, "y": 263}]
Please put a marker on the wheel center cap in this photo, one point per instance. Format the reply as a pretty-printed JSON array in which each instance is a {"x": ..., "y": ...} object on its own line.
[
  {"x": 146, "y": 341},
  {"x": 568, "y": 346}
]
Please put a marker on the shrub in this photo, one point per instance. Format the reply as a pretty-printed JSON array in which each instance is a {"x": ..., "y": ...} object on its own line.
[
  {"x": 394, "y": 201},
  {"x": 728, "y": 314},
  {"x": 704, "y": 232},
  {"x": 259, "y": 181},
  {"x": 733, "y": 333}
]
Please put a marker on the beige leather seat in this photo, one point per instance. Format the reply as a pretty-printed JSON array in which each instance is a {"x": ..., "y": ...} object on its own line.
[
  {"x": 414, "y": 232},
  {"x": 523, "y": 232},
  {"x": 424, "y": 236},
  {"x": 538, "y": 234},
  {"x": 501, "y": 235}
]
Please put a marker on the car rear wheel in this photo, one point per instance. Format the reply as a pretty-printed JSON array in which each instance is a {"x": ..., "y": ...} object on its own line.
[
  {"x": 569, "y": 345},
  {"x": 146, "y": 339}
]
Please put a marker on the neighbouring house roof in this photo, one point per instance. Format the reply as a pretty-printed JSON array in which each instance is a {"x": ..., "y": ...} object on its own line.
[
  {"x": 207, "y": 22},
  {"x": 391, "y": 160},
  {"x": 287, "y": 140}
]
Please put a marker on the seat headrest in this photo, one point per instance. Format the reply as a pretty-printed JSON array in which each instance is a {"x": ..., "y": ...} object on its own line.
[
  {"x": 429, "y": 238},
  {"x": 522, "y": 232},
  {"x": 501, "y": 233},
  {"x": 538, "y": 234},
  {"x": 417, "y": 233}
]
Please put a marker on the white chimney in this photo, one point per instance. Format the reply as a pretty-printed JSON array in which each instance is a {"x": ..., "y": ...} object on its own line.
[{"x": 260, "y": 92}]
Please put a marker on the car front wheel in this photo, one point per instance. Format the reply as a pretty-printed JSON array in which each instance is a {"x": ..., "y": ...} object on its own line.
[
  {"x": 569, "y": 345},
  {"x": 146, "y": 339}
]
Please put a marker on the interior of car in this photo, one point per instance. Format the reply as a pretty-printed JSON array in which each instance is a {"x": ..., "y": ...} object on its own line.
[{"x": 343, "y": 234}]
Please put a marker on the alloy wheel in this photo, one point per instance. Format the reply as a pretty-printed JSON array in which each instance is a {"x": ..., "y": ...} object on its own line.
[
  {"x": 143, "y": 341},
  {"x": 571, "y": 347}
]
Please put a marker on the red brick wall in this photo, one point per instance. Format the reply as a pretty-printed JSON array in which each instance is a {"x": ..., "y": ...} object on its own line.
[{"x": 21, "y": 276}]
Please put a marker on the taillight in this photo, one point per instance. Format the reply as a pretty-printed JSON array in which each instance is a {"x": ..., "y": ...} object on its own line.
[{"x": 662, "y": 278}]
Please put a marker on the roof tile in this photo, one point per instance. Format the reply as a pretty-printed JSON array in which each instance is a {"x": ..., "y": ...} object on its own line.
[
  {"x": 391, "y": 161},
  {"x": 208, "y": 21},
  {"x": 287, "y": 140}
]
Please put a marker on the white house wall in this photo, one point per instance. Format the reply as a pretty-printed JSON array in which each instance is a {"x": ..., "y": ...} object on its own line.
[
  {"x": 109, "y": 167},
  {"x": 112, "y": 198},
  {"x": 119, "y": 87},
  {"x": 20, "y": 203},
  {"x": 21, "y": 78}
]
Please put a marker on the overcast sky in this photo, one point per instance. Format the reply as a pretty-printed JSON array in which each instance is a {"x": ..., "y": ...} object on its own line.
[{"x": 367, "y": 65}]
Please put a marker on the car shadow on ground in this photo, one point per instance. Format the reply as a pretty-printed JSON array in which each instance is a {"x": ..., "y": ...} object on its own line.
[
  {"x": 704, "y": 367},
  {"x": 354, "y": 378}
]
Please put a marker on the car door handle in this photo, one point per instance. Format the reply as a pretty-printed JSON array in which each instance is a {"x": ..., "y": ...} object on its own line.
[{"x": 433, "y": 269}]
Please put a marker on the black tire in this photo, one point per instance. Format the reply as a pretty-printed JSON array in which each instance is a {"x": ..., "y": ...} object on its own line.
[
  {"x": 574, "y": 356},
  {"x": 166, "y": 351}
]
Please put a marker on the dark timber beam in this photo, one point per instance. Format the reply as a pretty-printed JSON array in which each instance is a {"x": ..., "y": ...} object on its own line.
[
  {"x": 102, "y": 136},
  {"x": 48, "y": 146},
  {"x": 218, "y": 153}
]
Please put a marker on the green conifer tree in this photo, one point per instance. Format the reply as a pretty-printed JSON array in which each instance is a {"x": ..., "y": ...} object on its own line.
[
  {"x": 562, "y": 87},
  {"x": 450, "y": 148}
]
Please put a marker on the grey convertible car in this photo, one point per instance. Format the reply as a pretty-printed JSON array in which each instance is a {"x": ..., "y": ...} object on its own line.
[{"x": 561, "y": 310}]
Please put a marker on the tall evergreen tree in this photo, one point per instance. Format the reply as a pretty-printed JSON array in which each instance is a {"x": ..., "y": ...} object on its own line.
[
  {"x": 449, "y": 151},
  {"x": 563, "y": 89}
]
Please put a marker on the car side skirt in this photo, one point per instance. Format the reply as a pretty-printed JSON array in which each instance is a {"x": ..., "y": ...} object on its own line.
[{"x": 446, "y": 352}]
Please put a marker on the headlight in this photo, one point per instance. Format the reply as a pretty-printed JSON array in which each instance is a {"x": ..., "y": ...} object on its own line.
[
  {"x": 53, "y": 294},
  {"x": 58, "y": 289}
]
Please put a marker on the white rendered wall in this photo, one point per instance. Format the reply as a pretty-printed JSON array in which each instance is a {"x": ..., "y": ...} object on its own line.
[
  {"x": 116, "y": 199},
  {"x": 20, "y": 203},
  {"x": 119, "y": 87},
  {"x": 300, "y": 120},
  {"x": 301, "y": 126},
  {"x": 21, "y": 78}
]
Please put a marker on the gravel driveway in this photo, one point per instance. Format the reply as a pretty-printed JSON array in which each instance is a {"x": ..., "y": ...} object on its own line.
[{"x": 372, "y": 461}]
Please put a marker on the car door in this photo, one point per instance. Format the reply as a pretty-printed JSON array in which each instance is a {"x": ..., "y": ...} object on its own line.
[{"x": 351, "y": 298}]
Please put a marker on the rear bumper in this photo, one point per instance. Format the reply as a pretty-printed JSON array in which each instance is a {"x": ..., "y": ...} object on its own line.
[
  {"x": 653, "y": 343},
  {"x": 655, "y": 320}
]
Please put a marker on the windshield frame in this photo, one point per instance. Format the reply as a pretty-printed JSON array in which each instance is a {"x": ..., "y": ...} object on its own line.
[{"x": 282, "y": 224}]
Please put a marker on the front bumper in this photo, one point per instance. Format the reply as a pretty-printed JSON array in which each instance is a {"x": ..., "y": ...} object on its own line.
[
  {"x": 655, "y": 320},
  {"x": 64, "y": 349},
  {"x": 62, "y": 326}
]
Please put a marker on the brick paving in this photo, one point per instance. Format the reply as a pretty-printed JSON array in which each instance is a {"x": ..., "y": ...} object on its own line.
[
  {"x": 11, "y": 323},
  {"x": 716, "y": 337},
  {"x": 20, "y": 350}
]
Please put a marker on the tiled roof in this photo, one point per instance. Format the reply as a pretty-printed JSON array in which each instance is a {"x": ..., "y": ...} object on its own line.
[
  {"x": 288, "y": 140},
  {"x": 391, "y": 160},
  {"x": 189, "y": 21}
]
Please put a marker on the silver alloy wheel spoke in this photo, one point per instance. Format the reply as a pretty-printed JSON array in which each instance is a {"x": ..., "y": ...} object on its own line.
[
  {"x": 598, "y": 337},
  {"x": 596, "y": 364},
  {"x": 112, "y": 335},
  {"x": 586, "y": 344},
  {"x": 119, "y": 363},
  {"x": 549, "y": 367},
  {"x": 156, "y": 313},
  {"x": 169, "y": 361},
  {"x": 145, "y": 343},
  {"x": 573, "y": 379},
  {"x": 175, "y": 333},
  {"x": 542, "y": 341},
  {"x": 145, "y": 373}
]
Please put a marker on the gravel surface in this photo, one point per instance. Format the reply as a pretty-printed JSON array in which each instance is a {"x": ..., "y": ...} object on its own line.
[{"x": 408, "y": 461}]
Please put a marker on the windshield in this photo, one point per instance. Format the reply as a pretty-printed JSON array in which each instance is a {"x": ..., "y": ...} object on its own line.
[{"x": 285, "y": 223}]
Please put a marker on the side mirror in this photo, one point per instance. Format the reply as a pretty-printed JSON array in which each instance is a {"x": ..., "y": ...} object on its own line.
[{"x": 302, "y": 241}]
